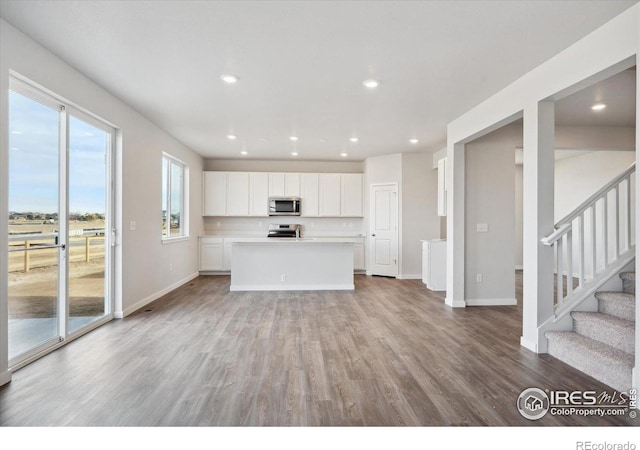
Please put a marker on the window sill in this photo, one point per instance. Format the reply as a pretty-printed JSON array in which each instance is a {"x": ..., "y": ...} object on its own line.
[{"x": 174, "y": 240}]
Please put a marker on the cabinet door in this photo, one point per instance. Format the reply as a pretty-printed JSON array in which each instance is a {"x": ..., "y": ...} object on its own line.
[
  {"x": 237, "y": 194},
  {"x": 214, "y": 195},
  {"x": 211, "y": 257},
  {"x": 309, "y": 190},
  {"x": 292, "y": 185},
  {"x": 276, "y": 185},
  {"x": 329, "y": 194},
  {"x": 226, "y": 265},
  {"x": 258, "y": 194},
  {"x": 358, "y": 257},
  {"x": 442, "y": 187},
  {"x": 351, "y": 195}
]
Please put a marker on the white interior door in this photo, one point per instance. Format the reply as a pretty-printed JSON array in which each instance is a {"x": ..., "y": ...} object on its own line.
[{"x": 384, "y": 230}]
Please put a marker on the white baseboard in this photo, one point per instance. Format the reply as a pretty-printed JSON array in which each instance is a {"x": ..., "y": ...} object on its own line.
[
  {"x": 410, "y": 277},
  {"x": 144, "y": 302},
  {"x": 528, "y": 344},
  {"x": 519, "y": 267},
  {"x": 455, "y": 303},
  {"x": 491, "y": 301},
  {"x": 300, "y": 287},
  {"x": 5, "y": 377}
]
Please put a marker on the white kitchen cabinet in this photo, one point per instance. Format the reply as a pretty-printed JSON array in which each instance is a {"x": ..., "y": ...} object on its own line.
[
  {"x": 329, "y": 194},
  {"x": 211, "y": 254},
  {"x": 351, "y": 195},
  {"x": 292, "y": 185},
  {"x": 276, "y": 185},
  {"x": 258, "y": 194},
  {"x": 309, "y": 193},
  {"x": 284, "y": 185},
  {"x": 358, "y": 255},
  {"x": 237, "y": 194},
  {"x": 214, "y": 194},
  {"x": 442, "y": 187},
  {"x": 434, "y": 264}
]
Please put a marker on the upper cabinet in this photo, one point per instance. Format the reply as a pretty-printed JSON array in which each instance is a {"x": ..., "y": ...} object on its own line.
[
  {"x": 214, "y": 194},
  {"x": 284, "y": 185},
  {"x": 247, "y": 193},
  {"x": 330, "y": 194},
  {"x": 237, "y": 194},
  {"x": 310, "y": 193},
  {"x": 351, "y": 195},
  {"x": 258, "y": 194}
]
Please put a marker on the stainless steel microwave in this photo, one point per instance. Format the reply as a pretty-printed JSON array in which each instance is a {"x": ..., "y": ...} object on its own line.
[{"x": 284, "y": 206}]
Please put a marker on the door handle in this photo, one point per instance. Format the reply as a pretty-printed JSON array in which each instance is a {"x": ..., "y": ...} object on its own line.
[{"x": 373, "y": 235}]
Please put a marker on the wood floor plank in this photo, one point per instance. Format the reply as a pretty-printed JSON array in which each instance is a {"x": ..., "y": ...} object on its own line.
[{"x": 389, "y": 353}]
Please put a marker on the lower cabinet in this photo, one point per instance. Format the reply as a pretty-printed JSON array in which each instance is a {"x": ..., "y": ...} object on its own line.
[
  {"x": 211, "y": 254},
  {"x": 358, "y": 256}
]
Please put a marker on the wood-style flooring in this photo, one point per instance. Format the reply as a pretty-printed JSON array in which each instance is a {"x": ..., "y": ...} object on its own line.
[{"x": 389, "y": 353}]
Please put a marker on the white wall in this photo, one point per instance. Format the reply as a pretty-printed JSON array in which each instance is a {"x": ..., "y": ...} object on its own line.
[
  {"x": 420, "y": 218},
  {"x": 383, "y": 169},
  {"x": 576, "y": 179},
  {"x": 417, "y": 203},
  {"x": 490, "y": 200},
  {"x": 142, "y": 259}
]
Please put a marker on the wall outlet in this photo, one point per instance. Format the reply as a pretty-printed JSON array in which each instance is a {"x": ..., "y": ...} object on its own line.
[
  {"x": 482, "y": 227},
  {"x": 132, "y": 225},
  {"x": 218, "y": 224},
  {"x": 283, "y": 277},
  {"x": 478, "y": 278}
]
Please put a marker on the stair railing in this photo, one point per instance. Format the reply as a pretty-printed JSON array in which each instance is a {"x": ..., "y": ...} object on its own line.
[{"x": 593, "y": 242}]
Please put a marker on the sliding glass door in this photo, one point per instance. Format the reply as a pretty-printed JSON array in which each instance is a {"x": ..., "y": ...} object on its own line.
[{"x": 59, "y": 222}]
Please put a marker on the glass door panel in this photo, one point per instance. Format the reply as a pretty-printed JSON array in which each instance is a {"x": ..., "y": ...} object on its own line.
[
  {"x": 34, "y": 250},
  {"x": 88, "y": 150}
]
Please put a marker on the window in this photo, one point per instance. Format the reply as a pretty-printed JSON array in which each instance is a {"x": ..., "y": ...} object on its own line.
[{"x": 175, "y": 175}]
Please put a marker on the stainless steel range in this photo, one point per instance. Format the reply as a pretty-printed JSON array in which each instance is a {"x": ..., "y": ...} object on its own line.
[{"x": 284, "y": 230}]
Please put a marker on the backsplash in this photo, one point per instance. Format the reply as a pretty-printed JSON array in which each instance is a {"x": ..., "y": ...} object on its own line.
[{"x": 311, "y": 226}]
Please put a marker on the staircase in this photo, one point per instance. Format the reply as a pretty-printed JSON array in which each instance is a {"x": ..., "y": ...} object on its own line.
[{"x": 602, "y": 344}]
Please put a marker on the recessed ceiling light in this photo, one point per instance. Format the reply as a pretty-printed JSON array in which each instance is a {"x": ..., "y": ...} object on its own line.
[
  {"x": 344, "y": 155},
  {"x": 371, "y": 84},
  {"x": 229, "y": 79},
  {"x": 598, "y": 106},
  {"x": 293, "y": 138},
  {"x": 414, "y": 141},
  {"x": 294, "y": 153},
  {"x": 231, "y": 136},
  {"x": 243, "y": 152},
  {"x": 354, "y": 139}
]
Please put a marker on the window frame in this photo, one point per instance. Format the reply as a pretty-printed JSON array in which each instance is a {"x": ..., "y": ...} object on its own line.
[{"x": 184, "y": 204}]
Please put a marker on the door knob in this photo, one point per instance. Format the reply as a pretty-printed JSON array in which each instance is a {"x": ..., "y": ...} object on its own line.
[{"x": 373, "y": 235}]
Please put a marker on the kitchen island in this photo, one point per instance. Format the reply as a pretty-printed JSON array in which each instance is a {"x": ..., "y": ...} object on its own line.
[{"x": 274, "y": 264}]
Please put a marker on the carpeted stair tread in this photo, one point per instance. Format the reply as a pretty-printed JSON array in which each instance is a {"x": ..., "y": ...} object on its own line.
[
  {"x": 610, "y": 330},
  {"x": 628, "y": 282},
  {"x": 618, "y": 304},
  {"x": 603, "y": 362}
]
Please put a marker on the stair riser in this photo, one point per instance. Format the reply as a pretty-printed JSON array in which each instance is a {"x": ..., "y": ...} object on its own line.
[
  {"x": 618, "y": 308},
  {"x": 618, "y": 378},
  {"x": 617, "y": 337},
  {"x": 629, "y": 286}
]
